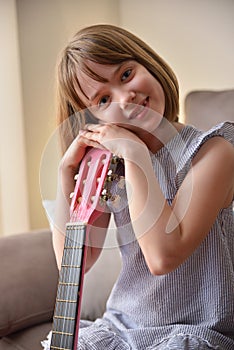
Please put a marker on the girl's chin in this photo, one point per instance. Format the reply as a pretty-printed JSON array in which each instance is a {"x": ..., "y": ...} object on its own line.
[
  {"x": 137, "y": 130},
  {"x": 148, "y": 126}
]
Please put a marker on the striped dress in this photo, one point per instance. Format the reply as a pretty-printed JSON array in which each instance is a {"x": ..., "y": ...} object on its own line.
[{"x": 189, "y": 308}]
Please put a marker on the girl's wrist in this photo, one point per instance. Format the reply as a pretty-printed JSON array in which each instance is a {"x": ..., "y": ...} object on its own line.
[{"x": 135, "y": 152}]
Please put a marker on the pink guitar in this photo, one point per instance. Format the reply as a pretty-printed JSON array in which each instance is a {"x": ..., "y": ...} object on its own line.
[{"x": 91, "y": 191}]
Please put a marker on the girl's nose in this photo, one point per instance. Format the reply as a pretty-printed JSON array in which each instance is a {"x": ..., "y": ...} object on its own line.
[{"x": 126, "y": 98}]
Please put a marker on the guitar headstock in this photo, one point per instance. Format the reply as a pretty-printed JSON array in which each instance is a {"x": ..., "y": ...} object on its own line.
[{"x": 93, "y": 182}]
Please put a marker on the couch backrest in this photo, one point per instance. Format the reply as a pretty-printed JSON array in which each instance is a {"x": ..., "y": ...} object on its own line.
[{"x": 204, "y": 109}]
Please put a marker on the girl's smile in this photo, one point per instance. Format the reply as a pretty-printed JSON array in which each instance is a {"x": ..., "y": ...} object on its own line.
[{"x": 126, "y": 93}]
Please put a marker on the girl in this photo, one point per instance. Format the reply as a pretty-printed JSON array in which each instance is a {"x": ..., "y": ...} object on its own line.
[{"x": 174, "y": 215}]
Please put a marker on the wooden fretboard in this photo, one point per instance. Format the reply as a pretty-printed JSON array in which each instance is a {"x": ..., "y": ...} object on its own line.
[{"x": 67, "y": 308}]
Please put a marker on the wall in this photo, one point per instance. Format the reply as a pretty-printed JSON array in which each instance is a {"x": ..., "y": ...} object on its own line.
[
  {"x": 14, "y": 213},
  {"x": 194, "y": 37},
  {"x": 44, "y": 28}
]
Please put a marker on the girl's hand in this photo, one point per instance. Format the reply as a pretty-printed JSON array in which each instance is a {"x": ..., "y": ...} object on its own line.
[
  {"x": 117, "y": 139},
  {"x": 70, "y": 161},
  {"x": 66, "y": 184}
]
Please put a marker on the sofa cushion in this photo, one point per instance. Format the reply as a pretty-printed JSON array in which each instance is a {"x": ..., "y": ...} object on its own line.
[
  {"x": 28, "y": 280},
  {"x": 28, "y": 339},
  {"x": 204, "y": 109}
]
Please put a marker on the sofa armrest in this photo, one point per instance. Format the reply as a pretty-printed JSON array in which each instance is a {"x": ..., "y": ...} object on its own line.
[{"x": 28, "y": 280}]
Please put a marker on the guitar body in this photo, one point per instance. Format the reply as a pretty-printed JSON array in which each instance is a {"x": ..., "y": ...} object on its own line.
[{"x": 93, "y": 182}]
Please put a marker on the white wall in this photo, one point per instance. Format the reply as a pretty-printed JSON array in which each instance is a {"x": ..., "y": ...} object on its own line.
[
  {"x": 194, "y": 37},
  {"x": 14, "y": 215},
  {"x": 44, "y": 28}
]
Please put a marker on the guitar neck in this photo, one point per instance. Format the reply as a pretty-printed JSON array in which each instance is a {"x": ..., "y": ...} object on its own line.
[
  {"x": 85, "y": 207},
  {"x": 67, "y": 308}
]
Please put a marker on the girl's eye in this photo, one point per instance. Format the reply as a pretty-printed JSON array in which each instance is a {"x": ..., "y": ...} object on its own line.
[
  {"x": 103, "y": 101},
  {"x": 126, "y": 74}
]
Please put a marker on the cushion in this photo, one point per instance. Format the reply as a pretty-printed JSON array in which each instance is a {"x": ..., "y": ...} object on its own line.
[
  {"x": 28, "y": 280},
  {"x": 204, "y": 109},
  {"x": 28, "y": 339}
]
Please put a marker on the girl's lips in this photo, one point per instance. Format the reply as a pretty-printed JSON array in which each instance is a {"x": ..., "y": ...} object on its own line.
[{"x": 140, "y": 109}]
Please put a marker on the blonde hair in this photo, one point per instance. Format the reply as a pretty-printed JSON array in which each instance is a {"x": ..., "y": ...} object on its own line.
[{"x": 105, "y": 44}]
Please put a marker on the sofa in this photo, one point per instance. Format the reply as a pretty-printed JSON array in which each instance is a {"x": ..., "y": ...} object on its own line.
[
  {"x": 28, "y": 287},
  {"x": 27, "y": 263}
]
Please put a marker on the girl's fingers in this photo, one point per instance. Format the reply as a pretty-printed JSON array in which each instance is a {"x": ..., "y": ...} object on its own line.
[
  {"x": 91, "y": 127},
  {"x": 90, "y": 139}
]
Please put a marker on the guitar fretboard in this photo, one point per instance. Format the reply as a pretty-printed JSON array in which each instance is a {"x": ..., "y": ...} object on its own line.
[{"x": 69, "y": 288}]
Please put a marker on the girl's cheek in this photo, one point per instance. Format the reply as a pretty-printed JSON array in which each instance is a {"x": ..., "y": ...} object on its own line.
[{"x": 111, "y": 114}]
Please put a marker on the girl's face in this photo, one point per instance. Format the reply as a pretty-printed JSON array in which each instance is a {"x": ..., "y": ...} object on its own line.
[{"x": 130, "y": 97}]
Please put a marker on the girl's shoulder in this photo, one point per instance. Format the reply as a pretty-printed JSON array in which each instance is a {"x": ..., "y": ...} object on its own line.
[
  {"x": 192, "y": 138},
  {"x": 191, "y": 141},
  {"x": 225, "y": 130}
]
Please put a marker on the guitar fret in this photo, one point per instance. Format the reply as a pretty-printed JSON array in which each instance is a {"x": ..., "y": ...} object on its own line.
[
  {"x": 72, "y": 266},
  {"x": 66, "y": 301},
  {"x": 63, "y": 333},
  {"x": 64, "y": 324},
  {"x": 68, "y": 310},
  {"x": 58, "y": 348},
  {"x": 75, "y": 247},
  {"x": 69, "y": 284},
  {"x": 64, "y": 318}
]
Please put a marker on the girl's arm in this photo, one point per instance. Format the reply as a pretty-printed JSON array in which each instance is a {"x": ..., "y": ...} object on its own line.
[
  {"x": 66, "y": 183},
  {"x": 168, "y": 234}
]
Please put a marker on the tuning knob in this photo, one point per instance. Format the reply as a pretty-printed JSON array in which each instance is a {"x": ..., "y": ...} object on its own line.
[
  {"x": 114, "y": 159},
  {"x": 105, "y": 195}
]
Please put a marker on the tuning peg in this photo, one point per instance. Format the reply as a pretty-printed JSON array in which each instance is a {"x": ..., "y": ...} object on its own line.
[
  {"x": 105, "y": 195},
  {"x": 71, "y": 194},
  {"x": 114, "y": 159},
  {"x": 76, "y": 177},
  {"x": 111, "y": 177}
]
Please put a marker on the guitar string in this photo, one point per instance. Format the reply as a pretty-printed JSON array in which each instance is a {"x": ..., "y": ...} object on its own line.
[
  {"x": 64, "y": 306},
  {"x": 67, "y": 292},
  {"x": 74, "y": 258}
]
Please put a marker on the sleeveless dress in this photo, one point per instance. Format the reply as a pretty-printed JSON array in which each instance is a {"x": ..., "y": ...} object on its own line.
[{"x": 189, "y": 308}]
